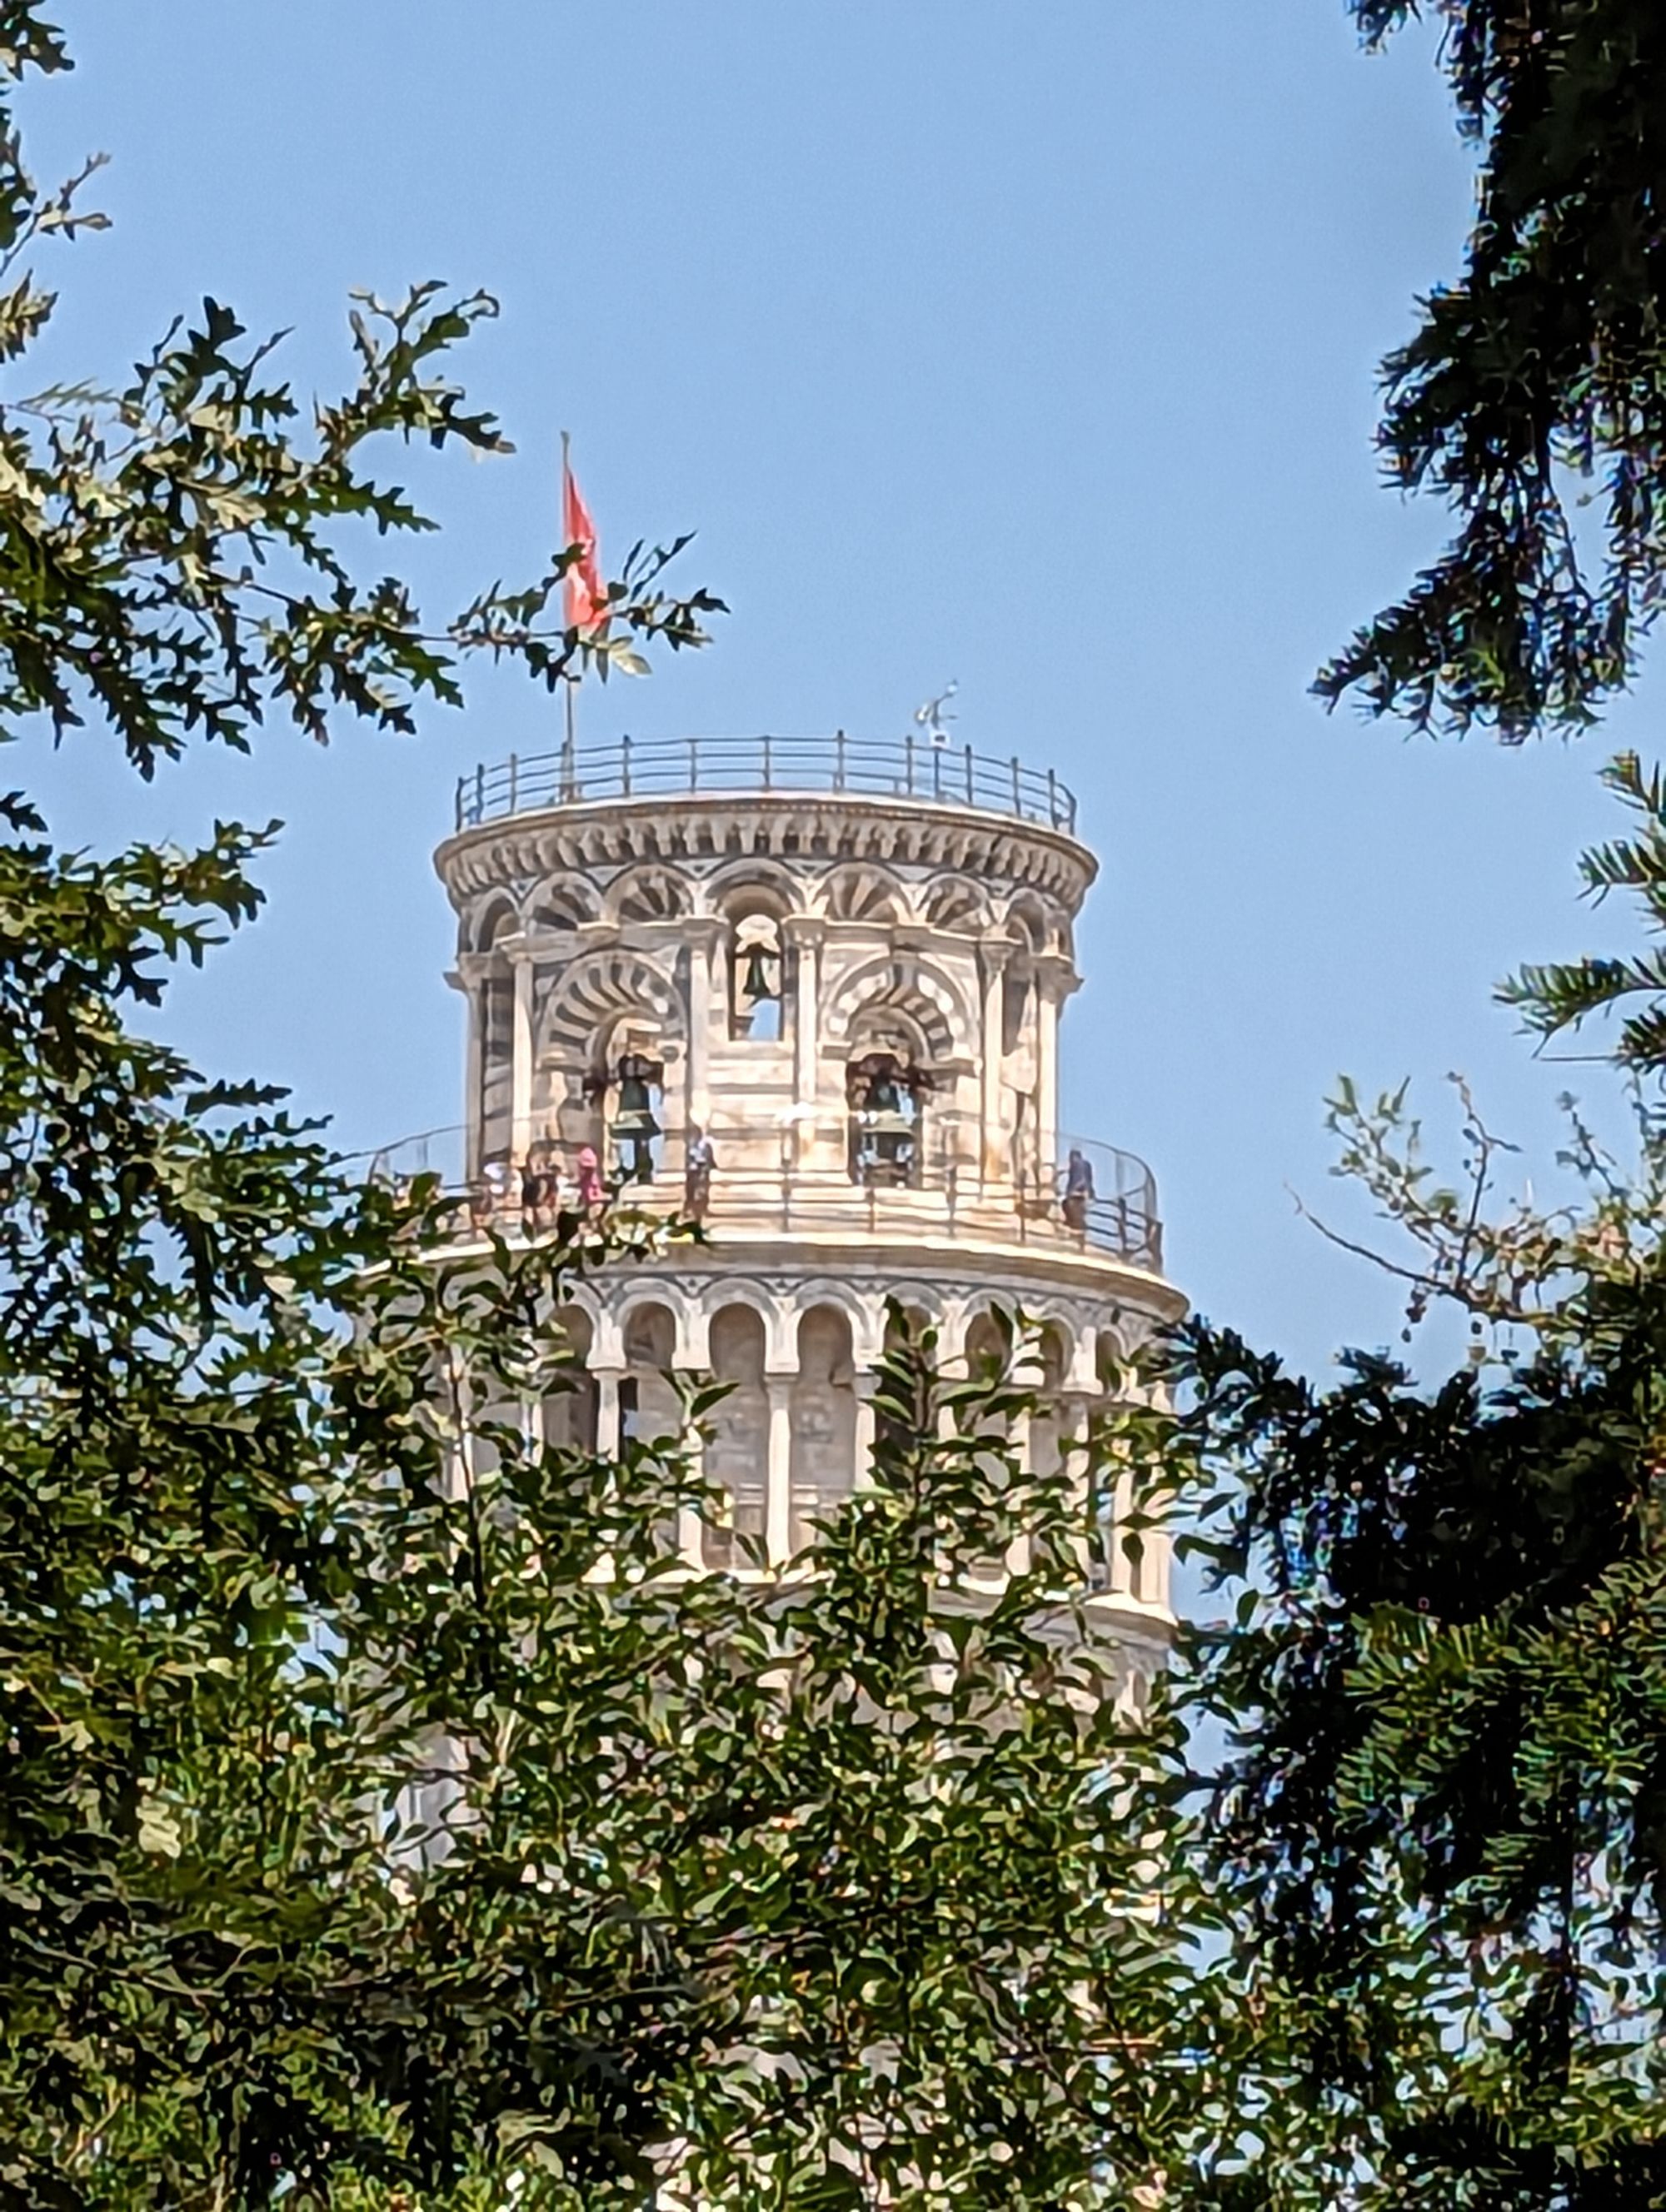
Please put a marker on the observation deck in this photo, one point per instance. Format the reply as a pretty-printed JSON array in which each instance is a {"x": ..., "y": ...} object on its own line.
[
  {"x": 944, "y": 1206},
  {"x": 633, "y": 769}
]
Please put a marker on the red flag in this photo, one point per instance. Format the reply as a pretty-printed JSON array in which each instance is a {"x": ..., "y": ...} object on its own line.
[{"x": 586, "y": 595}]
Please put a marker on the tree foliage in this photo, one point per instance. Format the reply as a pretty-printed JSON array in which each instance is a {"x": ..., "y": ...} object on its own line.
[
  {"x": 1433, "y": 1861},
  {"x": 1532, "y": 398}
]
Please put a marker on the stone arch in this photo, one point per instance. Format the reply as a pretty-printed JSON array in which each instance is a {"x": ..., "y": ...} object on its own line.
[
  {"x": 989, "y": 1353},
  {"x": 1116, "y": 1559},
  {"x": 1027, "y": 920},
  {"x": 649, "y": 893},
  {"x": 649, "y": 1404},
  {"x": 753, "y": 903},
  {"x": 569, "y": 1410},
  {"x": 743, "y": 1291},
  {"x": 822, "y": 1413},
  {"x": 921, "y": 1308},
  {"x": 864, "y": 1311},
  {"x": 563, "y": 902},
  {"x": 990, "y": 1340},
  {"x": 1109, "y": 1358},
  {"x": 591, "y": 998},
  {"x": 737, "y": 1447},
  {"x": 1052, "y": 1361},
  {"x": 633, "y": 1298},
  {"x": 914, "y": 992},
  {"x": 494, "y": 917},
  {"x": 954, "y": 901},
  {"x": 752, "y": 886},
  {"x": 926, "y": 1299},
  {"x": 856, "y": 891}
]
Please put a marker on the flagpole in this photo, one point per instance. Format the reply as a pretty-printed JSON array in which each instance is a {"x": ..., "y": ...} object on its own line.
[{"x": 569, "y": 749}]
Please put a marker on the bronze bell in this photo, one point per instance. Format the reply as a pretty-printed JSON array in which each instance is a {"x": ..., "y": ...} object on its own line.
[
  {"x": 884, "y": 1103},
  {"x": 755, "y": 984}
]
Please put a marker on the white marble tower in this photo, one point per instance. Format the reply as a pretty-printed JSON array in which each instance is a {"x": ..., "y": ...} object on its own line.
[{"x": 847, "y": 964}]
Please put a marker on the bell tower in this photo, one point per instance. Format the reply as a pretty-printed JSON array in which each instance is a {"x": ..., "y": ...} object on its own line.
[{"x": 810, "y": 991}]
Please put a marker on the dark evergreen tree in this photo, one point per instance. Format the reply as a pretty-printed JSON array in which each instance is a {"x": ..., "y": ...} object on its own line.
[{"x": 1534, "y": 385}]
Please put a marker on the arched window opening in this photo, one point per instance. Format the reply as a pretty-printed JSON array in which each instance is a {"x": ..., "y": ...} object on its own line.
[
  {"x": 904, "y": 1327},
  {"x": 1014, "y": 1007},
  {"x": 1046, "y": 1422},
  {"x": 569, "y": 1405},
  {"x": 494, "y": 1137},
  {"x": 649, "y": 1407},
  {"x": 989, "y": 1346},
  {"x": 885, "y": 1094},
  {"x": 1102, "y": 1575},
  {"x": 737, "y": 1451},
  {"x": 756, "y": 978},
  {"x": 823, "y": 1418},
  {"x": 631, "y": 1089},
  {"x": 954, "y": 903}
]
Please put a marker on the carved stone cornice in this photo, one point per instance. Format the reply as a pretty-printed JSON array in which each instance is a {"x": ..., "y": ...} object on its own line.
[{"x": 812, "y": 833}]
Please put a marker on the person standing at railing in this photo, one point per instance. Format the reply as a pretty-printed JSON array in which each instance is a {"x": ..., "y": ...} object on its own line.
[
  {"x": 496, "y": 1177},
  {"x": 698, "y": 1161},
  {"x": 537, "y": 1190},
  {"x": 1078, "y": 1190},
  {"x": 593, "y": 1191}
]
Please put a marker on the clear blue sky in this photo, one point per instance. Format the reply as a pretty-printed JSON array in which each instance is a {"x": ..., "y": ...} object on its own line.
[{"x": 1029, "y": 345}]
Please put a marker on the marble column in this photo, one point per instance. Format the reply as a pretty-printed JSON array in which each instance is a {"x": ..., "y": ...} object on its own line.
[
  {"x": 778, "y": 1493},
  {"x": 607, "y": 1380},
  {"x": 703, "y": 938},
  {"x": 1126, "y": 1578},
  {"x": 862, "y": 1473},
  {"x": 993, "y": 957},
  {"x": 1018, "y": 1445},
  {"x": 804, "y": 935},
  {"x": 1056, "y": 980},
  {"x": 690, "y": 1539},
  {"x": 520, "y": 1063},
  {"x": 1074, "y": 1460},
  {"x": 468, "y": 982}
]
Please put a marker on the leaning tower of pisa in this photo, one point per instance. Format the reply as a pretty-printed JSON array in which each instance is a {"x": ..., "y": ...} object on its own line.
[{"x": 812, "y": 990}]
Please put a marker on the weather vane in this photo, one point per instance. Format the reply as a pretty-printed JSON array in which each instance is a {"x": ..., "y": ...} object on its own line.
[{"x": 932, "y": 717}]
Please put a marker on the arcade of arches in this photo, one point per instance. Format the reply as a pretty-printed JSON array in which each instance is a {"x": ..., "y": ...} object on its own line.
[{"x": 789, "y": 1441}]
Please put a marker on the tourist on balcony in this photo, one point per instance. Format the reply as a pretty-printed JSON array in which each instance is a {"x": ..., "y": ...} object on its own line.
[
  {"x": 480, "y": 1206},
  {"x": 537, "y": 1190},
  {"x": 593, "y": 1191},
  {"x": 698, "y": 1161},
  {"x": 494, "y": 1178},
  {"x": 1077, "y": 1191}
]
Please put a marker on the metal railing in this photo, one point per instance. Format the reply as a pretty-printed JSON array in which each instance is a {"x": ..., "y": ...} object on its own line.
[
  {"x": 886, "y": 768},
  {"x": 944, "y": 1197}
]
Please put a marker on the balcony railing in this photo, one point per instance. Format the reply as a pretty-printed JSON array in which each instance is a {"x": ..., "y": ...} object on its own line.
[
  {"x": 945, "y": 1199},
  {"x": 637, "y": 768}
]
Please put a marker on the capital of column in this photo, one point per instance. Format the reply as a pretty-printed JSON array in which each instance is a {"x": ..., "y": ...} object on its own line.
[
  {"x": 806, "y": 931},
  {"x": 994, "y": 954},
  {"x": 701, "y": 932},
  {"x": 1055, "y": 978}
]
